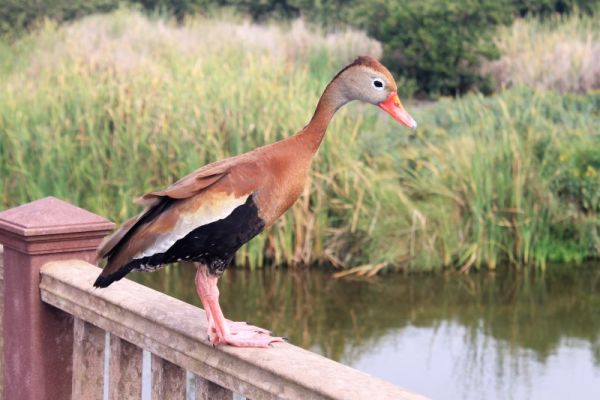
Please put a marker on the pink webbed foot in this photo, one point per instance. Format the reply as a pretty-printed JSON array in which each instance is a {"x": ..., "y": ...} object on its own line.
[
  {"x": 248, "y": 339},
  {"x": 242, "y": 326},
  {"x": 220, "y": 330},
  {"x": 240, "y": 334},
  {"x": 236, "y": 327}
]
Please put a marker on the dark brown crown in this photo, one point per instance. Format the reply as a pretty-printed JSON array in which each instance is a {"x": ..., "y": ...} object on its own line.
[{"x": 366, "y": 61}]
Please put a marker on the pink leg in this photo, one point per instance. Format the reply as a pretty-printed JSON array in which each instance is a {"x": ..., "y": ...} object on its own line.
[
  {"x": 220, "y": 330},
  {"x": 211, "y": 325}
]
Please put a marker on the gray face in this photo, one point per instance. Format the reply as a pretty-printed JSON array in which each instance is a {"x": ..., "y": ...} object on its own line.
[{"x": 365, "y": 84}]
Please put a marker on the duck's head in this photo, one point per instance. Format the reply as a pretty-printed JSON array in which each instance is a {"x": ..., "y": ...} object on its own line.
[{"x": 366, "y": 79}]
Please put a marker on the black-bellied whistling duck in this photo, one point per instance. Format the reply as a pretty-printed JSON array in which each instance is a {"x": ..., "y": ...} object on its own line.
[{"x": 206, "y": 216}]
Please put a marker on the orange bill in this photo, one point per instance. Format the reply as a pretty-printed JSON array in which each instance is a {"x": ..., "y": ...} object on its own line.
[{"x": 394, "y": 107}]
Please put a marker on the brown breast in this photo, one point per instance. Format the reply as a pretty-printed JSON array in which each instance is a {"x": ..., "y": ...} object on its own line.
[{"x": 285, "y": 166}]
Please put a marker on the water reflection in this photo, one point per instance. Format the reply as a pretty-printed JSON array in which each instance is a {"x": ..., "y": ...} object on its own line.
[{"x": 504, "y": 336}]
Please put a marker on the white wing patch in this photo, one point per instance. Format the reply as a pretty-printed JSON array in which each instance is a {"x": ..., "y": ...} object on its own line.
[{"x": 212, "y": 210}]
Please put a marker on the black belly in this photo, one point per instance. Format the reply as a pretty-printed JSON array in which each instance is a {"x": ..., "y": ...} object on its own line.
[{"x": 213, "y": 244}]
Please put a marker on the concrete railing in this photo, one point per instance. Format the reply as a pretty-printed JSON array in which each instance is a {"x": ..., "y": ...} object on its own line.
[{"x": 66, "y": 340}]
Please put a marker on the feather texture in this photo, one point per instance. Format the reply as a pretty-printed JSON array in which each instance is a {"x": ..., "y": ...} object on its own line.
[{"x": 256, "y": 187}]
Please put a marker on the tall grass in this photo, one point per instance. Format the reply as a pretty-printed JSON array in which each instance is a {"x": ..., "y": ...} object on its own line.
[
  {"x": 102, "y": 110},
  {"x": 506, "y": 179},
  {"x": 560, "y": 53}
]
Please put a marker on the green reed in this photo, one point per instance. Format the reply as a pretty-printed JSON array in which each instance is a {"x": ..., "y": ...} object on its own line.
[{"x": 110, "y": 107}]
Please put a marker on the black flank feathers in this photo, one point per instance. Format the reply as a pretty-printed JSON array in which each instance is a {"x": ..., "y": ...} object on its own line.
[{"x": 213, "y": 245}]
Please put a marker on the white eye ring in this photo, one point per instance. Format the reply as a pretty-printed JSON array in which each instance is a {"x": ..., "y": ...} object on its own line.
[{"x": 378, "y": 83}]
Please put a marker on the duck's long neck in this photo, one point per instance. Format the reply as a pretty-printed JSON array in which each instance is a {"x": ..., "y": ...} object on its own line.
[{"x": 332, "y": 100}]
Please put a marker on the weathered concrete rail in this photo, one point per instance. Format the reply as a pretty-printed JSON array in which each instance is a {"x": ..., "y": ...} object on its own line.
[{"x": 61, "y": 335}]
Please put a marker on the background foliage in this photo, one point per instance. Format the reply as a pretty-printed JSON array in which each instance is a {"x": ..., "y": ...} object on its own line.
[
  {"x": 104, "y": 109},
  {"x": 435, "y": 46}
]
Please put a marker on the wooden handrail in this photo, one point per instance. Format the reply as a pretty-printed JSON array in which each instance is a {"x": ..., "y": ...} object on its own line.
[{"x": 176, "y": 332}]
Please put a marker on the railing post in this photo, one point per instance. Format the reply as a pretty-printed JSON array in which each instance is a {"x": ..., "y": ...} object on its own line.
[{"x": 38, "y": 338}]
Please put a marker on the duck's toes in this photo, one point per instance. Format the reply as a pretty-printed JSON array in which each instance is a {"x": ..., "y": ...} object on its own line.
[
  {"x": 251, "y": 339},
  {"x": 240, "y": 334}
]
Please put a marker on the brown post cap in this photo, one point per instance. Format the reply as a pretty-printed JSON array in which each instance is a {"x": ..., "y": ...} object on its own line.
[{"x": 50, "y": 225}]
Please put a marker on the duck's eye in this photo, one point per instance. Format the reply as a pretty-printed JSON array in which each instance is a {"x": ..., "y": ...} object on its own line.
[{"x": 378, "y": 83}]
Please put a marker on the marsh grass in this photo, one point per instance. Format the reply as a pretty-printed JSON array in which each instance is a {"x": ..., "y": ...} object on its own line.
[
  {"x": 491, "y": 168},
  {"x": 102, "y": 110},
  {"x": 560, "y": 53}
]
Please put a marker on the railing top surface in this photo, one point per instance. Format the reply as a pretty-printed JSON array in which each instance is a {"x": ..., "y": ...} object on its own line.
[
  {"x": 176, "y": 331},
  {"x": 51, "y": 216}
]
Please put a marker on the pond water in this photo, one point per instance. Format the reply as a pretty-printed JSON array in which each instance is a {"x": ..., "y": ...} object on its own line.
[{"x": 483, "y": 336}]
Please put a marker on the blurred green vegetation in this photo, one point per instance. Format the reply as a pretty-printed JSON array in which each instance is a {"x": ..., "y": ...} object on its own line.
[
  {"x": 544, "y": 8},
  {"x": 501, "y": 163},
  {"x": 557, "y": 52},
  {"x": 100, "y": 111},
  {"x": 16, "y": 16},
  {"x": 435, "y": 46}
]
